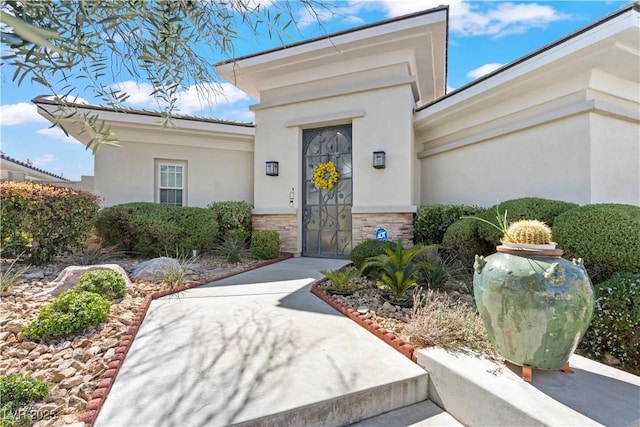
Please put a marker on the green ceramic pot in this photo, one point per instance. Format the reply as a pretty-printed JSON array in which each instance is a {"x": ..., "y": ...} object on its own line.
[{"x": 535, "y": 308}]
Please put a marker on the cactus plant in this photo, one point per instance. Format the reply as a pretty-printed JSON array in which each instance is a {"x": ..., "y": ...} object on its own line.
[{"x": 529, "y": 231}]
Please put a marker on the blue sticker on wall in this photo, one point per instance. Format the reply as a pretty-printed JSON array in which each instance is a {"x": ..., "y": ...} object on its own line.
[{"x": 381, "y": 234}]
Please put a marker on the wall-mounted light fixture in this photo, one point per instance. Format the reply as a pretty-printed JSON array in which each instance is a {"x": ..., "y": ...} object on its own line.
[
  {"x": 379, "y": 161},
  {"x": 272, "y": 168},
  {"x": 292, "y": 196}
]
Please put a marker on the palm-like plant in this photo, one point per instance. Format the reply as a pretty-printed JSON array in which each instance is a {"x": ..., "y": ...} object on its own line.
[
  {"x": 340, "y": 279},
  {"x": 397, "y": 271}
]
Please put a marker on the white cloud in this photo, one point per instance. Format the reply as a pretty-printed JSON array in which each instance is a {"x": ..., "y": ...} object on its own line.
[
  {"x": 19, "y": 114},
  {"x": 193, "y": 100},
  {"x": 58, "y": 134},
  {"x": 44, "y": 160},
  {"x": 239, "y": 115},
  {"x": 482, "y": 70},
  {"x": 495, "y": 19},
  {"x": 348, "y": 13},
  {"x": 139, "y": 93},
  {"x": 209, "y": 95},
  {"x": 72, "y": 99}
]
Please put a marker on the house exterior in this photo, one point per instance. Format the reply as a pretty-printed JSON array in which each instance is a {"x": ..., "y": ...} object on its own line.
[
  {"x": 561, "y": 123},
  {"x": 18, "y": 171}
]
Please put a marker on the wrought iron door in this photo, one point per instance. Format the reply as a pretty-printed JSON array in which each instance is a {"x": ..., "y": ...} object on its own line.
[{"x": 326, "y": 216}]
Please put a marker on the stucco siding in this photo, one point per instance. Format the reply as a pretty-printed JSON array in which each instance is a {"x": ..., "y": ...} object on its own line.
[
  {"x": 615, "y": 164},
  {"x": 550, "y": 160},
  {"x": 127, "y": 173},
  {"x": 383, "y": 122}
]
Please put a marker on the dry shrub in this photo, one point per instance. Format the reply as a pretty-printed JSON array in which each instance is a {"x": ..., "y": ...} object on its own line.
[{"x": 439, "y": 320}]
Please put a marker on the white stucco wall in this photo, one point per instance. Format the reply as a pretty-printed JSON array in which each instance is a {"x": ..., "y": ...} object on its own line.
[
  {"x": 563, "y": 125},
  {"x": 218, "y": 168},
  {"x": 550, "y": 161},
  {"x": 381, "y": 120},
  {"x": 615, "y": 160}
]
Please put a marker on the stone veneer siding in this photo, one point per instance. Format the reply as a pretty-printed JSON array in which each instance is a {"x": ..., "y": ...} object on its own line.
[
  {"x": 398, "y": 226},
  {"x": 285, "y": 224}
]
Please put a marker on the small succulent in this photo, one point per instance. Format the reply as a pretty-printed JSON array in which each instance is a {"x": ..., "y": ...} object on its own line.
[
  {"x": 341, "y": 279},
  {"x": 529, "y": 231}
]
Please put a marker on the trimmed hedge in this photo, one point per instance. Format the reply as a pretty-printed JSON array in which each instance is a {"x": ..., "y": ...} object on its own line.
[
  {"x": 232, "y": 216},
  {"x": 606, "y": 236},
  {"x": 432, "y": 221},
  {"x": 615, "y": 327},
  {"x": 365, "y": 250},
  {"x": 69, "y": 313},
  {"x": 153, "y": 229},
  {"x": 463, "y": 241},
  {"x": 43, "y": 221},
  {"x": 544, "y": 210},
  {"x": 265, "y": 244}
]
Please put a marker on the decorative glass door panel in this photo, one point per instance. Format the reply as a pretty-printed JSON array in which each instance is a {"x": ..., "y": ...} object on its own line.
[{"x": 327, "y": 183}]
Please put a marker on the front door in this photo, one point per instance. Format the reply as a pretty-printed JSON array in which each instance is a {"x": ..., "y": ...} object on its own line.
[{"x": 327, "y": 183}]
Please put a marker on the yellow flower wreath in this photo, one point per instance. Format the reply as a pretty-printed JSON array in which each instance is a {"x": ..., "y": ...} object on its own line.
[{"x": 325, "y": 176}]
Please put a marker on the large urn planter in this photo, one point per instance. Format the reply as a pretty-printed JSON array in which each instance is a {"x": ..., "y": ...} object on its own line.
[{"x": 535, "y": 305}]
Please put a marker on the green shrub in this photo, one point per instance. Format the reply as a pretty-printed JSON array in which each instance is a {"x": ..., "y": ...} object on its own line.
[
  {"x": 17, "y": 392},
  {"x": 341, "y": 279},
  {"x": 69, "y": 313},
  {"x": 152, "y": 229},
  {"x": 615, "y": 327},
  {"x": 107, "y": 283},
  {"x": 43, "y": 221},
  {"x": 232, "y": 216},
  {"x": 463, "y": 242},
  {"x": 397, "y": 270},
  {"x": 606, "y": 236},
  {"x": 240, "y": 236},
  {"x": 265, "y": 244},
  {"x": 367, "y": 249},
  {"x": 233, "y": 250},
  {"x": 544, "y": 210},
  {"x": 432, "y": 221}
]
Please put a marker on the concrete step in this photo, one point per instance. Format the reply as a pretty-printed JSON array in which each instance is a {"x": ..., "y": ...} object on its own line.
[
  {"x": 479, "y": 392},
  {"x": 363, "y": 405},
  {"x": 424, "y": 414}
]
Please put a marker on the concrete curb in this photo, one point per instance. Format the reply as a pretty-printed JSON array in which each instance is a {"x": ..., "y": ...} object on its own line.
[
  {"x": 101, "y": 392},
  {"x": 388, "y": 337}
]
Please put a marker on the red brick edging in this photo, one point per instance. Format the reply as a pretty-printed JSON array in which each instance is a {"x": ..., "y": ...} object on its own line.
[
  {"x": 390, "y": 338},
  {"x": 108, "y": 378}
]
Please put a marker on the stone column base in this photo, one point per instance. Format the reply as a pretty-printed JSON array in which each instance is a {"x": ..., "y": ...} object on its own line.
[
  {"x": 285, "y": 224},
  {"x": 398, "y": 226}
]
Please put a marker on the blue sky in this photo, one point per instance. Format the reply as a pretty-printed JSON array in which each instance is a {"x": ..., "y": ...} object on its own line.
[{"x": 482, "y": 36}]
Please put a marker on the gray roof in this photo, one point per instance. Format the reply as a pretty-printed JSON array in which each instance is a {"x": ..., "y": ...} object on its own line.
[
  {"x": 30, "y": 166},
  {"x": 47, "y": 100}
]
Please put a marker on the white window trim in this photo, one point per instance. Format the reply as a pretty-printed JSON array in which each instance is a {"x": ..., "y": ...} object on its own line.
[{"x": 170, "y": 162}]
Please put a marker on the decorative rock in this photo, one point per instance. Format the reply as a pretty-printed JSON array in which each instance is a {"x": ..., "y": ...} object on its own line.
[
  {"x": 68, "y": 372},
  {"x": 70, "y": 382},
  {"x": 94, "y": 350},
  {"x": 33, "y": 275},
  {"x": 76, "y": 402},
  {"x": 71, "y": 275},
  {"x": 154, "y": 269},
  {"x": 610, "y": 359},
  {"x": 388, "y": 307},
  {"x": 55, "y": 376},
  {"x": 109, "y": 354},
  {"x": 109, "y": 343},
  {"x": 13, "y": 327},
  {"x": 81, "y": 343},
  {"x": 27, "y": 345}
]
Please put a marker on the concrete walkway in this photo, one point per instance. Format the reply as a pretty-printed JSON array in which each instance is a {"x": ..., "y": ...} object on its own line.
[{"x": 258, "y": 349}]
